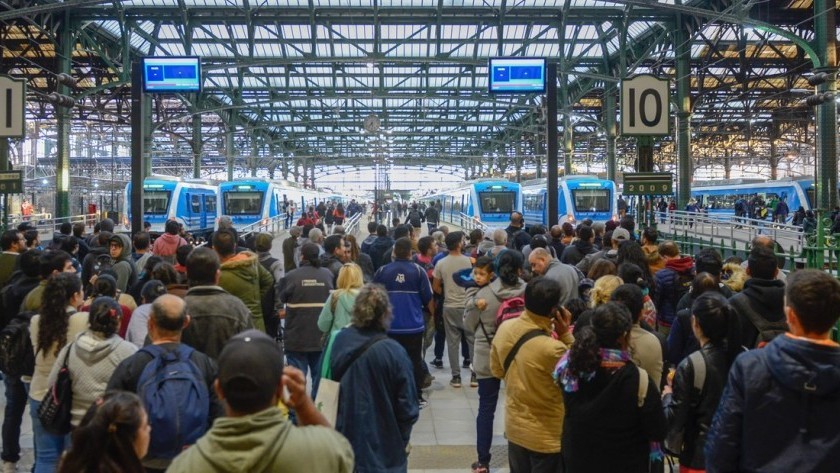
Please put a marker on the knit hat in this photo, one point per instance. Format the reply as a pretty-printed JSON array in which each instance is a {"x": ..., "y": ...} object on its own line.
[
  {"x": 250, "y": 368},
  {"x": 263, "y": 242}
]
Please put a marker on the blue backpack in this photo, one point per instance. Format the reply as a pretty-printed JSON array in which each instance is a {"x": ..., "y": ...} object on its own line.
[{"x": 175, "y": 395}]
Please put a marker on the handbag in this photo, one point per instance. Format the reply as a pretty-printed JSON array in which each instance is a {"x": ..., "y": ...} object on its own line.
[{"x": 55, "y": 410}]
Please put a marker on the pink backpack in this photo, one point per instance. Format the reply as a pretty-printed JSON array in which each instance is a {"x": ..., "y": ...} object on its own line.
[{"x": 510, "y": 309}]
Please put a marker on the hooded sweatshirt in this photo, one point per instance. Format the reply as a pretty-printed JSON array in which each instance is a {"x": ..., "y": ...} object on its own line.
[
  {"x": 493, "y": 294},
  {"x": 265, "y": 442},
  {"x": 123, "y": 264},
  {"x": 574, "y": 253},
  {"x": 668, "y": 293},
  {"x": 92, "y": 361},
  {"x": 243, "y": 276},
  {"x": 779, "y": 411},
  {"x": 166, "y": 245}
]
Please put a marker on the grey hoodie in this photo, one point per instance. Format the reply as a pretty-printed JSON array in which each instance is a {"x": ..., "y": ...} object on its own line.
[
  {"x": 92, "y": 361},
  {"x": 124, "y": 264},
  {"x": 494, "y": 293}
]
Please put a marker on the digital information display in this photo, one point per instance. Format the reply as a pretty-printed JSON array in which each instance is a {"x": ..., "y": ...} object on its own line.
[
  {"x": 171, "y": 74},
  {"x": 515, "y": 75}
]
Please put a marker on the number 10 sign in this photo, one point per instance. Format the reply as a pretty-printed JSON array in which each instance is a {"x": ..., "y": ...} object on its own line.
[{"x": 644, "y": 106}]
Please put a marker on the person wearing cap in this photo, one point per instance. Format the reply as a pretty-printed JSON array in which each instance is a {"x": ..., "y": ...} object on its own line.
[
  {"x": 255, "y": 436},
  {"x": 542, "y": 264},
  {"x": 121, "y": 261},
  {"x": 216, "y": 315},
  {"x": 303, "y": 293},
  {"x": 167, "y": 319},
  {"x": 378, "y": 400},
  {"x": 616, "y": 237},
  {"x": 290, "y": 244}
]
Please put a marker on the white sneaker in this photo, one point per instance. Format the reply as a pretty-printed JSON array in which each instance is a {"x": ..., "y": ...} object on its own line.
[{"x": 9, "y": 467}]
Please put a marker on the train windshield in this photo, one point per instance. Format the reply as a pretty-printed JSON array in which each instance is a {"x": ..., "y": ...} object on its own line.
[
  {"x": 243, "y": 203},
  {"x": 155, "y": 202},
  {"x": 591, "y": 200},
  {"x": 497, "y": 202}
]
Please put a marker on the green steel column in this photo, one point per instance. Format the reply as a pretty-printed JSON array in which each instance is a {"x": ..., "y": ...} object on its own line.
[
  {"x": 230, "y": 152},
  {"x": 196, "y": 145},
  {"x": 4, "y": 165},
  {"x": 681, "y": 38},
  {"x": 255, "y": 153},
  {"x": 611, "y": 133},
  {"x": 825, "y": 43},
  {"x": 62, "y": 114},
  {"x": 568, "y": 144}
]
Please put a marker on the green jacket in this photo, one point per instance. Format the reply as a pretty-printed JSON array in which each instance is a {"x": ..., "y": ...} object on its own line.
[
  {"x": 340, "y": 318},
  {"x": 265, "y": 442},
  {"x": 244, "y": 277}
]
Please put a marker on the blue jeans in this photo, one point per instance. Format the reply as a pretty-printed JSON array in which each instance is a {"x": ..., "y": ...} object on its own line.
[
  {"x": 488, "y": 397},
  {"x": 17, "y": 392},
  {"x": 306, "y": 361},
  {"x": 48, "y": 447}
]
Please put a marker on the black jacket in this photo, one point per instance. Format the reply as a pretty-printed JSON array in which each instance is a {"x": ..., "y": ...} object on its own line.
[
  {"x": 380, "y": 252},
  {"x": 779, "y": 411},
  {"x": 13, "y": 295},
  {"x": 766, "y": 297},
  {"x": 604, "y": 429},
  {"x": 689, "y": 410},
  {"x": 518, "y": 238},
  {"x": 574, "y": 253}
]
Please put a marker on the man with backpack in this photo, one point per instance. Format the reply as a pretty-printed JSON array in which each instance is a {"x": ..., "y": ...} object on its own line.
[
  {"x": 14, "y": 350},
  {"x": 415, "y": 217},
  {"x": 522, "y": 352},
  {"x": 781, "y": 406},
  {"x": 432, "y": 216},
  {"x": 174, "y": 381},
  {"x": 672, "y": 283},
  {"x": 518, "y": 238},
  {"x": 759, "y": 306}
]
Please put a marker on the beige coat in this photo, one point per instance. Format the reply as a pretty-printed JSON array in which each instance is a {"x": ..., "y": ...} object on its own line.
[{"x": 534, "y": 407}]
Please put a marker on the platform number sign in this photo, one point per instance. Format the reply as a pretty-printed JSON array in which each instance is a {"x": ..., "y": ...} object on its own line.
[
  {"x": 12, "y": 107},
  {"x": 644, "y": 106},
  {"x": 648, "y": 183}
]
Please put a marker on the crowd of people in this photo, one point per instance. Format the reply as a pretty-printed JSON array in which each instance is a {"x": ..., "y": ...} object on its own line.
[{"x": 615, "y": 351}]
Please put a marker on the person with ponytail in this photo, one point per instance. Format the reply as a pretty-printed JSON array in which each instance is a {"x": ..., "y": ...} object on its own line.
[
  {"x": 94, "y": 356},
  {"x": 112, "y": 437},
  {"x": 612, "y": 422},
  {"x": 692, "y": 398},
  {"x": 56, "y": 324},
  {"x": 631, "y": 273}
]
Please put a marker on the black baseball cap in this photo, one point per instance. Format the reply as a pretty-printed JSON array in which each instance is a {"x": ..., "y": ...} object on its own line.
[{"x": 250, "y": 368}]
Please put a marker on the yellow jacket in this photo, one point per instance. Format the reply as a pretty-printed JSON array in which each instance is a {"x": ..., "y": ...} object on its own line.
[{"x": 534, "y": 407}]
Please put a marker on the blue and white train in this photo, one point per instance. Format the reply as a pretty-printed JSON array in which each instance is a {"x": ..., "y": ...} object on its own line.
[
  {"x": 719, "y": 198},
  {"x": 250, "y": 200},
  {"x": 192, "y": 202},
  {"x": 578, "y": 198},
  {"x": 489, "y": 200}
]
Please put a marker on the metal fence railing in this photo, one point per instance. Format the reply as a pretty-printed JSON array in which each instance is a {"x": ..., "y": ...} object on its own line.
[
  {"x": 464, "y": 221},
  {"x": 47, "y": 224}
]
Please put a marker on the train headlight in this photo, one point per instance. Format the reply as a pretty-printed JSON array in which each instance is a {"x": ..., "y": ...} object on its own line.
[
  {"x": 265, "y": 221},
  {"x": 570, "y": 218},
  {"x": 615, "y": 218}
]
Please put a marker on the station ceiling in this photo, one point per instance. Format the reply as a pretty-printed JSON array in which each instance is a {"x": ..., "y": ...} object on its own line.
[{"x": 295, "y": 79}]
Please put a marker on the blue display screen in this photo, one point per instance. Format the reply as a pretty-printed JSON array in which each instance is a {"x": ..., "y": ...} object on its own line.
[
  {"x": 517, "y": 75},
  {"x": 171, "y": 74}
]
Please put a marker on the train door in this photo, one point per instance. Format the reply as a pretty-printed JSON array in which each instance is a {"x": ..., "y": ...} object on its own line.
[
  {"x": 210, "y": 211},
  {"x": 194, "y": 211}
]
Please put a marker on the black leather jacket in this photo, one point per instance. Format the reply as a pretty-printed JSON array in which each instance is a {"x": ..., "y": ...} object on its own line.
[{"x": 691, "y": 411}]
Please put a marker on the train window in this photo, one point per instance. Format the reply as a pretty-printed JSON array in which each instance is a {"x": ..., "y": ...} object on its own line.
[
  {"x": 497, "y": 202},
  {"x": 195, "y": 203},
  {"x": 533, "y": 202},
  {"x": 155, "y": 202},
  {"x": 210, "y": 203},
  {"x": 242, "y": 203},
  {"x": 591, "y": 200}
]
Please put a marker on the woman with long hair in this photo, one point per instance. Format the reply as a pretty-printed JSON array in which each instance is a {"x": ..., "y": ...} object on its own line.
[
  {"x": 338, "y": 309},
  {"x": 692, "y": 398},
  {"x": 362, "y": 259},
  {"x": 603, "y": 289},
  {"x": 632, "y": 252},
  {"x": 56, "y": 324},
  {"x": 480, "y": 318},
  {"x": 614, "y": 419},
  {"x": 112, "y": 437},
  {"x": 681, "y": 339},
  {"x": 94, "y": 356}
]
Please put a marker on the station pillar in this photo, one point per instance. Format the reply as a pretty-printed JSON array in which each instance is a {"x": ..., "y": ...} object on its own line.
[
  {"x": 683, "y": 83},
  {"x": 609, "y": 125},
  {"x": 196, "y": 145},
  {"x": 825, "y": 43},
  {"x": 63, "y": 120}
]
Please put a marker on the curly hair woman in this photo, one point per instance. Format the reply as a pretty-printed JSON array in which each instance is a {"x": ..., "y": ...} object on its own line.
[
  {"x": 112, "y": 437},
  {"x": 56, "y": 323},
  {"x": 614, "y": 419}
]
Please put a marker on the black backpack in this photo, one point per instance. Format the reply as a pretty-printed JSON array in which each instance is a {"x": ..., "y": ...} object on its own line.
[
  {"x": 511, "y": 240},
  {"x": 414, "y": 218},
  {"x": 767, "y": 330},
  {"x": 102, "y": 263},
  {"x": 17, "y": 356}
]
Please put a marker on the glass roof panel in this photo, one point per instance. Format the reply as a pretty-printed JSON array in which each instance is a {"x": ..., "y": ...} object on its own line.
[{"x": 457, "y": 31}]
